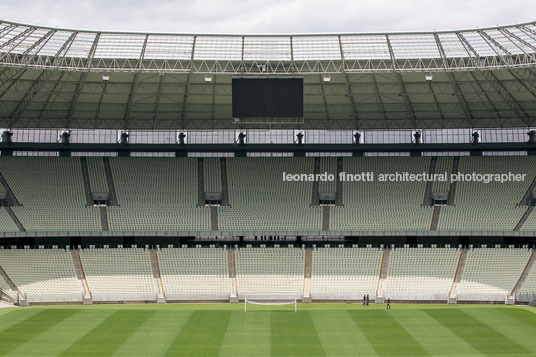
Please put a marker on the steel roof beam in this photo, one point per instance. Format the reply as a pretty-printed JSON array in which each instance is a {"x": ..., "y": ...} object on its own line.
[
  {"x": 213, "y": 99},
  {"x": 508, "y": 98},
  {"x": 30, "y": 94},
  {"x": 493, "y": 45},
  {"x": 461, "y": 99},
  {"x": 531, "y": 80},
  {"x": 379, "y": 99},
  {"x": 452, "y": 81},
  {"x": 324, "y": 96},
  {"x": 438, "y": 106},
  {"x": 292, "y": 65},
  {"x": 99, "y": 105},
  {"x": 401, "y": 85},
  {"x": 528, "y": 31},
  {"x": 281, "y": 64},
  {"x": 24, "y": 35},
  {"x": 509, "y": 35},
  {"x": 93, "y": 50},
  {"x": 157, "y": 100},
  {"x": 11, "y": 81},
  {"x": 81, "y": 83},
  {"x": 350, "y": 93},
  {"x": 11, "y": 42},
  {"x": 74, "y": 100},
  {"x": 524, "y": 83},
  {"x": 49, "y": 97},
  {"x": 471, "y": 52},
  {"x": 132, "y": 90},
  {"x": 490, "y": 40},
  {"x": 182, "y": 118},
  {"x": 489, "y": 101},
  {"x": 58, "y": 58},
  {"x": 66, "y": 45},
  {"x": 5, "y": 31},
  {"x": 42, "y": 41}
]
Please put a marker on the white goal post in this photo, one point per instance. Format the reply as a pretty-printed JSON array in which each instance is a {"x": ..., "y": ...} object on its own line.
[{"x": 270, "y": 299}]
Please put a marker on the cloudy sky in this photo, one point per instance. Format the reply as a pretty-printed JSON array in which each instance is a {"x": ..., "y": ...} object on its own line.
[{"x": 268, "y": 16}]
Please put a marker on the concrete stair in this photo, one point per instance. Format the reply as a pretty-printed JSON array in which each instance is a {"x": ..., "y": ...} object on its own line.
[
  {"x": 153, "y": 255},
  {"x": 512, "y": 297},
  {"x": 315, "y": 198},
  {"x": 383, "y": 275},
  {"x": 224, "y": 183},
  {"x": 21, "y": 299},
  {"x": 427, "y": 200},
  {"x": 339, "y": 185},
  {"x": 80, "y": 274},
  {"x": 87, "y": 184},
  {"x": 110, "y": 180},
  {"x": 307, "y": 275},
  {"x": 213, "y": 218},
  {"x": 15, "y": 219},
  {"x": 200, "y": 182},
  {"x": 233, "y": 287},
  {"x": 435, "y": 218},
  {"x": 524, "y": 218},
  {"x": 325, "y": 218},
  {"x": 11, "y": 198},
  {"x": 457, "y": 277},
  {"x": 103, "y": 213},
  {"x": 452, "y": 188}
]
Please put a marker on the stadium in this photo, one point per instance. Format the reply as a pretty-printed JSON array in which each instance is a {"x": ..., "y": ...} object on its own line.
[{"x": 195, "y": 194}]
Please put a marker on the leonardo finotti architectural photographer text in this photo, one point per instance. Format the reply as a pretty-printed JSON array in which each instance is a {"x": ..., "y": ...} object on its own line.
[{"x": 406, "y": 177}]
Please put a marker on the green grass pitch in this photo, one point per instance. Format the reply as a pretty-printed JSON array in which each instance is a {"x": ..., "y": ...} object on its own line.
[{"x": 226, "y": 330}]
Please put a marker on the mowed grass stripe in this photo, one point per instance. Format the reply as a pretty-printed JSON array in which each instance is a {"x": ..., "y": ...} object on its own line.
[
  {"x": 523, "y": 316},
  {"x": 107, "y": 336},
  {"x": 25, "y": 330},
  {"x": 509, "y": 325},
  {"x": 60, "y": 336},
  {"x": 155, "y": 335},
  {"x": 294, "y": 334},
  {"x": 340, "y": 335},
  {"x": 385, "y": 334},
  {"x": 248, "y": 334},
  {"x": 14, "y": 316},
  {"x": 479, "y": 335},
  {"x": 435, "y": 338},
  {"x": 201, "y": 335}
]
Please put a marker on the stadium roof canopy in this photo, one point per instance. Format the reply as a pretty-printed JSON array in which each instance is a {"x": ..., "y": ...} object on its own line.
[{"x": 478, "y": 78}]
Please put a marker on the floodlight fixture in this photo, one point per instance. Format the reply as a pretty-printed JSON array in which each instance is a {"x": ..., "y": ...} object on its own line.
[
  {"x": 532, "y": 136},
  {"x": 181, "y": 138},
  {"x": 300, "y": 137},
  {"x": 106, "y": 76},
  {"x": 64, "y": 136},
  {"x": 123, "y": 137},
  {"x": 241, "y": 137},
  {"x": 326, "y": 77},
  {"x": 428, "y": 76},
  {"x": 6, "y": 136},
  {"x": 476, "y": 136},
  {"x": 358, "y": 137},
  {"x": 417, "y": 136}
]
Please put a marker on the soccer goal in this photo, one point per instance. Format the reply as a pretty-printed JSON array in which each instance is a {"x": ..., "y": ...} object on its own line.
[{"x": 270, "y": 299}]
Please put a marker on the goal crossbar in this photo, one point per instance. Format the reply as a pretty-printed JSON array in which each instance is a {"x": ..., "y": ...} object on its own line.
[{"x": 270, "y": 299}]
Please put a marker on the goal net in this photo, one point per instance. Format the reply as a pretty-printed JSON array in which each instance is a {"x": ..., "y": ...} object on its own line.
[{"x": 270, "y": 299}]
